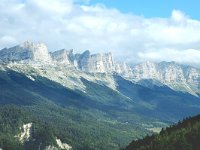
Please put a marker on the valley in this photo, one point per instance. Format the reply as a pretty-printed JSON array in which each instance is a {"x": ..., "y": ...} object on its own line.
[{"x": 89, "y": 101}]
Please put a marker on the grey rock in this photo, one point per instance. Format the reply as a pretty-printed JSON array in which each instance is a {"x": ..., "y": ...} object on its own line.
[
  {"x": 63, "y": 56},
  {"x": 25, "y": 52},
  {"x": 172, "y": 74}
]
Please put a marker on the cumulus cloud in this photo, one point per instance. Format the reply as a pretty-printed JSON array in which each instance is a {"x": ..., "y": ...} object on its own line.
[
  {"x": 68, "y": 24},
  {"x": 188, "y": 56}
]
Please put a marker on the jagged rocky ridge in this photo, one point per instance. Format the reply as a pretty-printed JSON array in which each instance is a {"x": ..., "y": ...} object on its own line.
[
  {"x": 176, "y": 76},
  {"x": 29, "y": 51},
  {"x": 25, "y": 52}
]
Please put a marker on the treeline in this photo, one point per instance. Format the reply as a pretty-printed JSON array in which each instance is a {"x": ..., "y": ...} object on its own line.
[{"x": 183, "y": 136}]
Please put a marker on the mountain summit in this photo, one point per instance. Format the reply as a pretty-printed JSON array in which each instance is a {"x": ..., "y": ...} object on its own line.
[
  {"x": 38, "y": 53},
  {"x": 27, "y": 51},
  {"x": 172, "y": 74},
  {"x": 176, "y": 76}
]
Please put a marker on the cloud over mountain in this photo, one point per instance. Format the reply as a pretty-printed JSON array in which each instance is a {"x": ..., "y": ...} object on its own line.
[{"x": 68, "y": 24}]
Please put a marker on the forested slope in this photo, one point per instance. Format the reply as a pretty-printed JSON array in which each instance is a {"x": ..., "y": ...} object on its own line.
[{"x": 183, "y": 136}]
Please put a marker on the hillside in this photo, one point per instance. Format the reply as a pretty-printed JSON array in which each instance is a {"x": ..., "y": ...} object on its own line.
[
  {"x": 183, "y": 136},
  {"x": 88, "y": 100},
  {"x": 20, "y": 130},
  {"x": 74, "y": 114},
  {"x": 98, "y": 113}
]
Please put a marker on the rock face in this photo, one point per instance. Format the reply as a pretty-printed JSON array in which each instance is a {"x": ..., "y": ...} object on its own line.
[
  {"x": 25, "y": 133},
  {"x": 63, "y": 56},
  {"x": 83, "y": 60},
  {"x": 63, "y": 145},
  {"x": 102, "y": 63},
  {"x": 108, "y": 62},
  {"x": 95, "y": 62},
  {"x": 166, "y": 72},
  {"x": 27, "y": 51},
  {"x": 147, "y": 70},
  {"x": 176, "y": 76},
  {"x": 123, "y": 69},
  {"x": 87, "y": 62}
]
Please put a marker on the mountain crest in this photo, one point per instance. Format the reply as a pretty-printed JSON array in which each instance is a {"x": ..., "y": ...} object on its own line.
[
  {"x": 26, "y": 52},
  {"x": 172, "y": 74}
]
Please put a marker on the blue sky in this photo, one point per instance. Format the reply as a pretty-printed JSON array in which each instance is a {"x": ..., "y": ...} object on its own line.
[
  {"x": 153, "y": 8},
  {"x": 134, "y": 31}
]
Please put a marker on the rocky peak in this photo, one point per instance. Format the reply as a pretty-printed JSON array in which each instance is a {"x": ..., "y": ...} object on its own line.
[
  {"x": 63, "y": 56},
  {"x": 123, "y": 69},
  {"x": 174, "y": 75},
  {"x": 85, "y": 53},
  {"x": 192, "y": 75},
  {"x": 145, "y": 70},
  {"x": 163, "y": 71},
  {"x": 96, "y": 62},
  {"x": 108, "y": 63},
  {"x": 83, "y": 60},
  {"x": 26, "y": 51}
]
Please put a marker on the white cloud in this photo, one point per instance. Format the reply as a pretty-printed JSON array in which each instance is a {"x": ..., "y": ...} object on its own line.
[
  {"x": 178, "y": 16},
  {"x": 7, "y": 40},
  {"x": 66, "y": 24},
  {"x": 188, "y": 56}
]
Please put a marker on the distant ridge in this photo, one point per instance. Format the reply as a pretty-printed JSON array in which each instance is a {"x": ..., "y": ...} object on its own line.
[{"x": 176, "y": 76}]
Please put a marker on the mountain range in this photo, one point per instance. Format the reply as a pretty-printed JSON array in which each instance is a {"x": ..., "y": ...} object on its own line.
[
  {"x": 176, "y": 76},
  {"x": 94, "y": 96}
]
